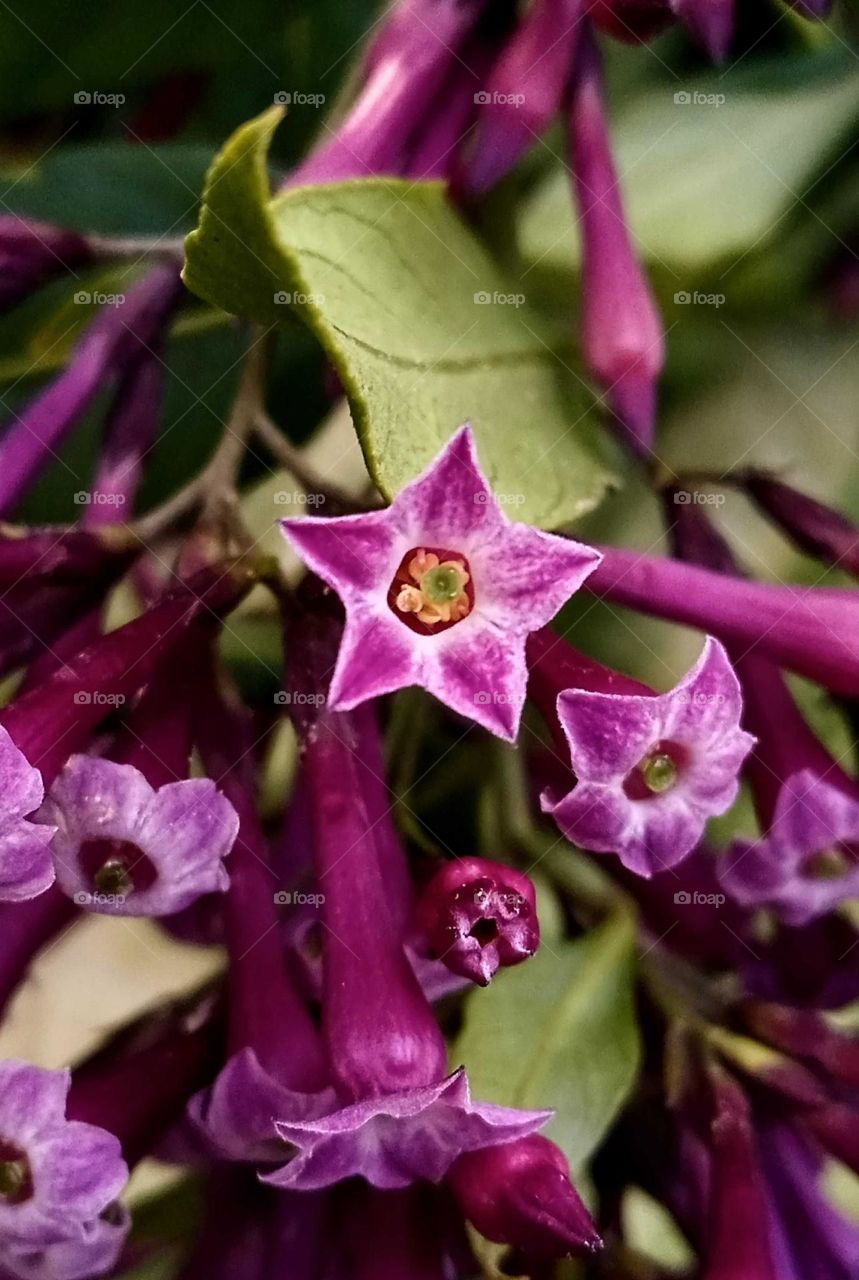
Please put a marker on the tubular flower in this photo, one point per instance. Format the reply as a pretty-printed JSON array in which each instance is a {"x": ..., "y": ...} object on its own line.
[
  {"x": 806, "y": 629},
  {"x": 478, "y": 916},
  {"x": 399, "y": 1118},
  {"x": 651, "y": 769},
  {"x": 622, "y": 330},
  {"x": 116, "y": 336},
  {"x": 441, "y": 590},
  {"x": 59, "y": 1181},
  {"x": 277, "y": 1063}
]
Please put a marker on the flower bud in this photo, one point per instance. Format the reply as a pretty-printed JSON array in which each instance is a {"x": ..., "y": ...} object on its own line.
[{"x": 521, "y": 1194}]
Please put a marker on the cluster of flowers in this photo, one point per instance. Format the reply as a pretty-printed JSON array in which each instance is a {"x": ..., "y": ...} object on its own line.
[{"x": 316, "y": 1094}]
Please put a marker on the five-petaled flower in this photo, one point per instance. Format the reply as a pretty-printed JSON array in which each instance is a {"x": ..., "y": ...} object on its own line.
[
  {"x": 808, "y": 862},
  {"x": 123, "y": 847},
  {"x": 441, "y": 590},
  {"x": 650, "y": 770}
]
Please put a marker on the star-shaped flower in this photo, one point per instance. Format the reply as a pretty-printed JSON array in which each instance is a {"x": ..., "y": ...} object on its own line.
[
  {"x": 808, "y": 863},
  {"x": 123, "y": 848},
  {"x": 650, "y": 771},
  {"x": 441, "y": 590},
  {"x": 26, "y": 866},
  {"x": 398, "y": 1138}
]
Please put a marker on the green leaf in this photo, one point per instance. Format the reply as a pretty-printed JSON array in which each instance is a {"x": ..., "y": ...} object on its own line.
[
  {"x": 706, "y": 180},
  {"x": 560, "y": 1032},
  {"x": 392, "y": 282}
]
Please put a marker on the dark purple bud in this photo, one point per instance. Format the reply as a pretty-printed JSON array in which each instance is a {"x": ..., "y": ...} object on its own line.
[
  {"x": 115, "y": 337},
  {"x": 32, "y": 253},
  {"x": 521, "y": 1194},
  {"x": 479, "y": 916},
  {"x": 52, "y": 721},
  {"x": 406, "y": 67},
  {"x": 48, "y": 581},
  {"x": 815, "y": 9},
  {"x": 805, "y": 1035},
  {"x": 711, "y": 23},
  {"x": 129, "y": 434},
  {"x": 279, "y": 1029},
  {"x": 137, "y": 1086},
  {"x": 632, "y": 21},
  {"x": 622, "y": 334},
  {"x": 816, "y": 529},
  {"x": 522, "y": 94},
  {"x": 738, "y": 1241}
]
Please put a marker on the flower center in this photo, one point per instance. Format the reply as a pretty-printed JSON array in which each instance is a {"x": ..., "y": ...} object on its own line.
[
  {"x": 16, "y": 1184},
  {"x": 432, "y": 590},
  {"x": 116, "y": 868},
  {"x": 655, "y": 773},
  {"x": 659, "y": 773},
  {"x": 114, "y": 876}
]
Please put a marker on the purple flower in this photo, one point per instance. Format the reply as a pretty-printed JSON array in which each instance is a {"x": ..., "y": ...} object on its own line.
[
  {"x": 650, "y": 771},
  {"x": 399, "y": 1118},
  {"x": 123, "y": 847},
  {"x": 521, "y": 1194},
  {"x": 398, "y": 1138},
  {"x": 26, "y": 867},
  {"x": 59, "y": 1180},
  {"x": 32, "y": 253},
  {"x": 441, "y": 590},
  {"x": 478, "y": 915},
  {"x": 808, "y": 863},
  {"x": 622, "y": 329}
]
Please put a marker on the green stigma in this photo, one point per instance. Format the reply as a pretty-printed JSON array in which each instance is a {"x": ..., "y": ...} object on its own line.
[
  {"x": 13, "y": 1178},
  {"x": 659, "y": 773},
  {"x": 114, "y": 877},
  {"x": 442, "y": 585}
]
